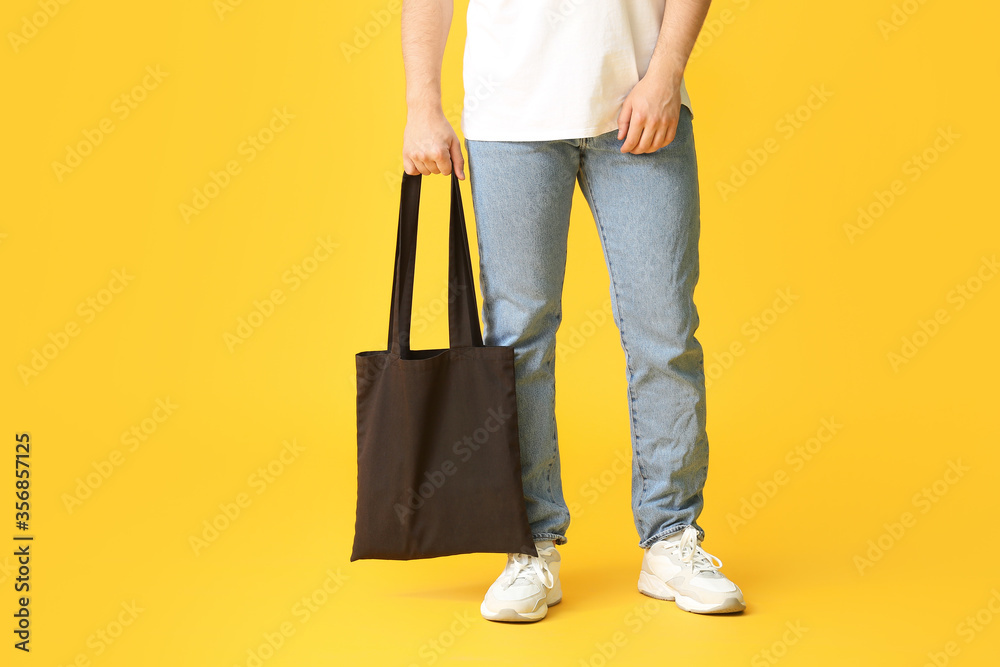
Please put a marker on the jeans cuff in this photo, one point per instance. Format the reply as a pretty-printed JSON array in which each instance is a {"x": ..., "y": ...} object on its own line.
[
  {"x": 556, "y": 538},
  {"x": 666, "y": 532}
]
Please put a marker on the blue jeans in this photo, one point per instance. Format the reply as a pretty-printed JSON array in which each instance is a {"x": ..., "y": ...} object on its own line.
[{"x": 647, "y": 212}]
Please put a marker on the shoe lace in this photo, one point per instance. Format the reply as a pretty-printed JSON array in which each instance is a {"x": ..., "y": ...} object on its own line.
[
  {"x": 691, "y": 552},
  {"x": 533, "y": 564}
]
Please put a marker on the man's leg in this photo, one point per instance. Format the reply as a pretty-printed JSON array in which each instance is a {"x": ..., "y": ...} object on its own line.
[
  {"x": 648, "y": 216},
  {"x": 522, "y": 193}
]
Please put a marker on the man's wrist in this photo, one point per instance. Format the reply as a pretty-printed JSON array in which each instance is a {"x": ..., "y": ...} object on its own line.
[
  {"x": 667, "y": 69},
  {"x": 424, "y": 106}
]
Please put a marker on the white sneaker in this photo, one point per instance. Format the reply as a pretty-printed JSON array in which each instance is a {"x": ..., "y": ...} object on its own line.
[
  {"x": 527, "y": 587},
  {"x": 677, "y": 568}
]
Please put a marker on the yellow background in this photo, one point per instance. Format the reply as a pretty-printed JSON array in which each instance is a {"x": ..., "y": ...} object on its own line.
[{"x": 332, "y": 172}]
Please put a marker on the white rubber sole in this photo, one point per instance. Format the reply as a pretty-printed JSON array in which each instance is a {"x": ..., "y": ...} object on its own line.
[
  {"x": 508, "y": 615},
  {"x": 656, "y": 588}
]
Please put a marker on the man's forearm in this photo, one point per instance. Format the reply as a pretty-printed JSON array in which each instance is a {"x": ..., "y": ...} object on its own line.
[
  {"x": 425, "y": 26},
  {"x": 682, "y": 21}
]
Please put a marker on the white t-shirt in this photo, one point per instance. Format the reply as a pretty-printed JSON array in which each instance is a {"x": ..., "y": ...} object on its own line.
[{"x": 554, "y": 69}]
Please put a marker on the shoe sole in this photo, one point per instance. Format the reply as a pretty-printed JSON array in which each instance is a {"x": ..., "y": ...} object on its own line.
[
  {"x": 508, "y": 615},
  {"x": 511, "y": 616},
  {"x": 655, "y": 588}
]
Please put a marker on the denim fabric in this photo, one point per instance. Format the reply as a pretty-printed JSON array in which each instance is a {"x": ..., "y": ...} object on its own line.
[{"x": 646, "y": 208}]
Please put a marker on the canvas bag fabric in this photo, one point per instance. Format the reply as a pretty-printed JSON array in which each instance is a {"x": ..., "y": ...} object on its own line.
[{"x": 439, "y": 464}]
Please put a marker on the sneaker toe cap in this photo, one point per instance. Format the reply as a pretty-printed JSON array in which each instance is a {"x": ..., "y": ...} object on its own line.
[
  {"x": 515, "y": 592},
  {"x": 715, "y": 585}
]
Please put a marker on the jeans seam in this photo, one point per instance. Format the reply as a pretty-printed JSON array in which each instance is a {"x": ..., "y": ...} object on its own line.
[
  {"x": 555, "y": 434},
  {"x": 584, "y": 184},
  {"x": 479, "y": 247}
]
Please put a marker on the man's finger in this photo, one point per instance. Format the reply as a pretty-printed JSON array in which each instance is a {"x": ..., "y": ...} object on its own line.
[
  {"x": 634, "y": 135},
  {"x": 647, "y": 144},
  {"x": 444, "y": 166},
  {"x": 426, "y": 167},
  {"x": 671, "y": 133},
  {"x": 623, "y": 118},
  {"x": 429, "y": 163},
  {"x": 441, "y": 161},
  {"x": 457, "y": 160},
  {"x": 419, "y": 166},
  {"x": 409, "y": 167},
  {"x": 659, "y": 141}
]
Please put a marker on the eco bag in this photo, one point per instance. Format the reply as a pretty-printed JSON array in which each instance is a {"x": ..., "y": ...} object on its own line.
[{"x": 439, "y": 460}]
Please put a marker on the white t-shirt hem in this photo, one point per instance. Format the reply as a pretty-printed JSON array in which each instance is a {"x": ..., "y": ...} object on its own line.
[
  {"x": 547, "y": 134},
  {"x": 541, "y": 134}
]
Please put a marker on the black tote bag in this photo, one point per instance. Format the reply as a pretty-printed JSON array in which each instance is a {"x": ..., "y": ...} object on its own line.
[{"x": 439, "y": 461}]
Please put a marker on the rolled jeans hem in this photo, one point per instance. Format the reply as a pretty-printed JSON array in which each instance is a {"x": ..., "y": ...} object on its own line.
[
  {"x": 556, "y": 538},
  {"x": 645, "y": 544}
]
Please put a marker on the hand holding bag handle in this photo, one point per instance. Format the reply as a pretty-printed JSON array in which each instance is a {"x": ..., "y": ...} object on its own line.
[{"x": 463, "y": 317}]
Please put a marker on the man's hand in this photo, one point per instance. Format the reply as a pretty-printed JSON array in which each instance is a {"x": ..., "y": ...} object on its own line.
[
  {"x": 430, "y": 145},
  {"x": 649, "y": 115}
]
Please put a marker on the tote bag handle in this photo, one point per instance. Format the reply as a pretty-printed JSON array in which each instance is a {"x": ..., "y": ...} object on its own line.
[{"x": 463, "y": 316}]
